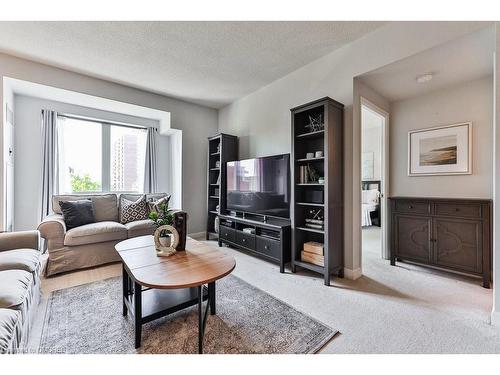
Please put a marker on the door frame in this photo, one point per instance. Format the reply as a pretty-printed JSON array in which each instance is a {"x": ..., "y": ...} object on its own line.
[{"x": 384, "y": 212}]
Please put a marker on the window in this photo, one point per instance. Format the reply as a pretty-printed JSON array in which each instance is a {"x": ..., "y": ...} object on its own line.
[{"x": 100, "y": 157}]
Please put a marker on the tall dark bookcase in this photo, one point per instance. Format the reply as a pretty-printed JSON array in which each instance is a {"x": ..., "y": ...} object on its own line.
[
  {"x": 221, "y": 149},
  {"x": 327, "y": 197}
]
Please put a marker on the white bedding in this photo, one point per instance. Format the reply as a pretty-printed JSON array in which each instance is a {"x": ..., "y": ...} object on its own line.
[{"x": 366, "y": 208}]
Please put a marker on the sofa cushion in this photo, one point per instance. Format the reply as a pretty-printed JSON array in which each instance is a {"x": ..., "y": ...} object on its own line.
[
  {"x": 20, "y": 259},
  {"x": 105, "y": 207},
  {"x": 133, "y": 210},
  {"x": 140, "y": 228},
  {"x": 77, "y": 213},
  {"x": 94, "y": 233},
  {"x": 15, "y": 285},
  {"x": 10, "y": 322}
]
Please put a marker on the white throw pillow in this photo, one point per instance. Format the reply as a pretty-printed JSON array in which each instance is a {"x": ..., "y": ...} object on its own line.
[{"x": 370, "y": 196}]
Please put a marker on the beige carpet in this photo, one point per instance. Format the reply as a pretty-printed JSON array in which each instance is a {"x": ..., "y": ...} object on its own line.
[{"x": 403, "y": 309}]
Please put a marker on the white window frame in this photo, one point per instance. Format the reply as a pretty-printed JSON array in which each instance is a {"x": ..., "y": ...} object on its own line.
[{"x": 105, "y": 152}]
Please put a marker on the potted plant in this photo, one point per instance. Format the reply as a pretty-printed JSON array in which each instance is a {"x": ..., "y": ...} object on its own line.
[{"x": 163, "y": 215}]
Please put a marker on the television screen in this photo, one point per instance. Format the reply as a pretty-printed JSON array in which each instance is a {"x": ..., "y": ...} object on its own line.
[{"x": 259, "y": 186}]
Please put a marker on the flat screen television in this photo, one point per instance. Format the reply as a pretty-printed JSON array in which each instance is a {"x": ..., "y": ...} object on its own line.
[{"x": 259, "y": 186}]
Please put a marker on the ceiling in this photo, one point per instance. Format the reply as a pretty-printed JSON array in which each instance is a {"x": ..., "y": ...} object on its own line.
[
  {"x": 210, "y": 63},
  {"x": 461, "y": 60}
]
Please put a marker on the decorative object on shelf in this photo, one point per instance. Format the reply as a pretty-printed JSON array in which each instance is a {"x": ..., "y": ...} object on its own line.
[
  {"x": 217, "y": 164},
  {"x": 310, "y": 155},
  {"x": 312, "y": 252},
  {"x": 443, "y": 150},
  {"x": 321, "y": 180},
  {"x": 315, "y": 123},
  {"x": 315, "y": 219},
  {"x": 218, "y": 180},
  {"x": 218, "y": 148},
  {"x": 318, "y": 154},
  {"x": 217, "y": 208},
  {"x": 166, "y": 240},
  {"x": 216, "y": 191},
  {"x": 308, "y": 174},
  {"x": 216, "y": 224}
]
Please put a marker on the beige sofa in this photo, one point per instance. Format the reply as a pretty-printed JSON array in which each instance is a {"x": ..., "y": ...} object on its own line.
[
  {"x": 91, "y": 244},
  {"x": 19, "y": 289}
]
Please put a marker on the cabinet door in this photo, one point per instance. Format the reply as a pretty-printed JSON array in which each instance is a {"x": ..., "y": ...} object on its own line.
[
  {"x": 458, "y": 244},
  {"x": 412, "y": 238}
]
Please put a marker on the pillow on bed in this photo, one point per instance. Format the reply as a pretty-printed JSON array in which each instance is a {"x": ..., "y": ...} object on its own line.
[{"x": 370, "y": 196}]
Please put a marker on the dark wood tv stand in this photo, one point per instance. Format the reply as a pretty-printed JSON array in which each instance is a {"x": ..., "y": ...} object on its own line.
[{"x": 270, "y": 240}]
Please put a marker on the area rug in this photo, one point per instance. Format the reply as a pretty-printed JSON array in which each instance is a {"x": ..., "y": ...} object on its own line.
[{"x": 88, "y": 319}]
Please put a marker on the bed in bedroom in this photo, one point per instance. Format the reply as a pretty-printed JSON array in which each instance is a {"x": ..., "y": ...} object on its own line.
[{"x": 370, "y": 203}]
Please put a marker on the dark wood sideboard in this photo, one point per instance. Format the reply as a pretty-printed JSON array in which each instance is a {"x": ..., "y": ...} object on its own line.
[{"x": 452, "y": 234}]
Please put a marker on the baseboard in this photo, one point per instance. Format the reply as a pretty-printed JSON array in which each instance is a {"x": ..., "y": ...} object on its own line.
[
  {"x": 495, "y": 318},
  {"x": 197, "y": 235},
  {"x": 352, "y": 274}
]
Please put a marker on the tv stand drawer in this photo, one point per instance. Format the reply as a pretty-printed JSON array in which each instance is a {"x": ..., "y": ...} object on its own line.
[
  {"x": 227, "y": 233},
  {"x": 268, "y": 247},
  {"x": 245, "y": 239}
]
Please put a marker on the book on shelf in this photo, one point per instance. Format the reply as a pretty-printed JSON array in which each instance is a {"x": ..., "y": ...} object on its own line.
[
  {"x": 315, "y": 221},
  {"x": 313, "y": 247},
  {"x": 319, "y": 260},
  {"x": 314, "y": 226}
]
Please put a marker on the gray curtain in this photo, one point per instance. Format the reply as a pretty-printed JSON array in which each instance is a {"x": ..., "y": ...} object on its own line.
[
  {"x": 50, "y": 176},
  {"x": 150, "y": 176}
]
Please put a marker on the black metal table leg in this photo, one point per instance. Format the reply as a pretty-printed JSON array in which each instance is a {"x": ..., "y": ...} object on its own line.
[
  {"x": 200, "y": 319},
  {"x": 202, "y": 316},
  {"x": 138, "y": 314},
  {"x": 125, "y": 285},
  {"x": 211, "y": 297}
]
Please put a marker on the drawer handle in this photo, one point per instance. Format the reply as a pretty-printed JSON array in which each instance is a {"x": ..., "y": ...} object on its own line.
[{"x": 266, "y": 247}]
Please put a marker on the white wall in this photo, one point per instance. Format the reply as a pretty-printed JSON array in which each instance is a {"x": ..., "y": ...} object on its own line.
[
  {"x": 6, "y": 216},
  {"x": 470, "y": 101},
  {"x": 196, "y": 122},
  {"x": 28, "y": 142},
  {"x": 371, "y": 141}
]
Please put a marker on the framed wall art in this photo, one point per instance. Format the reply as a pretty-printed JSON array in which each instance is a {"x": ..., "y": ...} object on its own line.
[{"x": 443, "y": 150}]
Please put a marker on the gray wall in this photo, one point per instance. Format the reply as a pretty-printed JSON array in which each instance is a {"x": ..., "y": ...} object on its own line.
[
  {"x": 196, "y": 122},
  {"x": 28, "y": 162},
  {"x": 471, "y": 101}
]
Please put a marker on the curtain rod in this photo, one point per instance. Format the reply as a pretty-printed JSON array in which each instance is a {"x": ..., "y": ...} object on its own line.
[{"x": 100, "y": 121}]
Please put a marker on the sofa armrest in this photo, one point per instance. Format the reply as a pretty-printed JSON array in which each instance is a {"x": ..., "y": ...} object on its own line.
[
  {"x": 53, "y": 230},
  {"x": 19, "y": 240}
]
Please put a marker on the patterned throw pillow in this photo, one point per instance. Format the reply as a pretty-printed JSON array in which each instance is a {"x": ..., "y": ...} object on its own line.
[
  {"x": 155, "y": 205},
  {"x": 133, "y": 211}
]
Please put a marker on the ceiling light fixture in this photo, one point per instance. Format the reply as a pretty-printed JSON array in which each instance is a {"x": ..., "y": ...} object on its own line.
[{"x": 424, "y": 78}]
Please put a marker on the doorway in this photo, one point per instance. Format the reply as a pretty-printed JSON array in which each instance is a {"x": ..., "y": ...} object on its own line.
[{"x": 374, "y": 180}]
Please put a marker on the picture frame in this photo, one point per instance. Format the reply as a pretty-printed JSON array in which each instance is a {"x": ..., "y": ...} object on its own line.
[{"x": 440, "y": 151}]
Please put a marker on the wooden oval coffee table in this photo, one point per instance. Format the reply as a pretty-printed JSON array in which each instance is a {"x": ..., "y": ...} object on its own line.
[{"x": 157, "y": 286}]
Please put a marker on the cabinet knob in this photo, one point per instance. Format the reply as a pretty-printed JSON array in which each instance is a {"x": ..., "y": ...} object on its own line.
[
  {"x": 266, "y": 247},
  {"x": 410, "y": 206},
  {"x": 244, "y": 240}
]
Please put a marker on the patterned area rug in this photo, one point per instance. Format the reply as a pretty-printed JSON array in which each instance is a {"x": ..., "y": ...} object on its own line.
[{"x": 88, "y": 319}]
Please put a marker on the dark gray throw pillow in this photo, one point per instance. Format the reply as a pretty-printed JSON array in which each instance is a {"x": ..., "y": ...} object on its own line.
[{"x": 77, "y": 213}]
